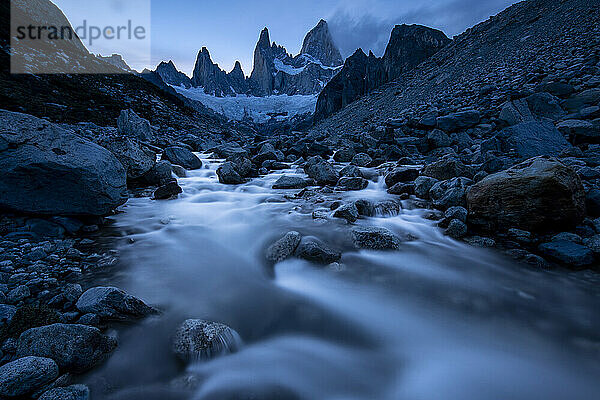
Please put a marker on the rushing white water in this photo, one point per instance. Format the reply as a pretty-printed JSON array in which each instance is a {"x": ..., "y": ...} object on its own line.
[{"x": 436, "y": 319}]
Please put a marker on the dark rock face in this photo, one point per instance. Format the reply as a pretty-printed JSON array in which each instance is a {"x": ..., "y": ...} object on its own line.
[
  {"x": 352, "y": 183},
  {"x": 237, "y": 80},
  {"x": 401, "y": 175},
  {"x": 459, "y": 120},
  {"x": 568, "y": 252},
  {"x": 409, "y": 45},
  {"x": 209, "y": 76},
  {"x": 170, "y": 75},
  {"x": 447, "y": 168},
  {"x": 73, "y": 392},
  {"x": 75, "y": 348},
  {"x": 277, "y": 72},
  {"x": 318, "y": 43},
  {"x": 540, "y": 194},
  {"x": 49, "y": 170},
  {"x": 360, "y": 75}
]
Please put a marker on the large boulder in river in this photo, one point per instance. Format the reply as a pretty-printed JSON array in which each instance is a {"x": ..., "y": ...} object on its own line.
[
  {"x": 313, "y": 250},
  {"x": 321, "y": 171},
  {"x": 49, "y": 170},
  {"x": 131, "y": 125},
  {"x": 198, "y": 340},
  {"x": 228, "y": 174},
  {"x": 284, "y": 247},
  {"x": 75, "y": 348},
  {"x": 182, "y": 156},
  {"x": 136, "y": 158},
  {"x": 376, "y": 238},
  {"x": 112, "y": 303},
  {"x": 540, "y": 194}
]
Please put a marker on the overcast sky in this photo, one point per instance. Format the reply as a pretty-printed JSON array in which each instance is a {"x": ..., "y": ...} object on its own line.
[{"x": 230, "y": 29}]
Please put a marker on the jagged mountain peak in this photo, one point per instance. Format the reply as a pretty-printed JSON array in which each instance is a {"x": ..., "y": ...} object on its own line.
[
  {"x": 171, "y": 76},
  {"x": 237, "y": 67},
  {"x": 319, "y": 44},
  {"x": 264, "y": 41}
]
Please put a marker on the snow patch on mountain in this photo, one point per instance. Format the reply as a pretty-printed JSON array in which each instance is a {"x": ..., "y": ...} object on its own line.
[{"x": 259, "y": 109}]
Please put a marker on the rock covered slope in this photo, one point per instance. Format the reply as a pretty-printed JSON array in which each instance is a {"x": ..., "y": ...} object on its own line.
[
  {"x": 409, "y": 45},
  {"x": 97, "y": 98},
  {"x": 275, "y": 71},
  {"x": 500, "y": 130},
  {"x": 531, "y": 42}
]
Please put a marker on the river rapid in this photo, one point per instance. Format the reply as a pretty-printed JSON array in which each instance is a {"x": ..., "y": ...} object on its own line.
[{"x": 437, "y": 319}]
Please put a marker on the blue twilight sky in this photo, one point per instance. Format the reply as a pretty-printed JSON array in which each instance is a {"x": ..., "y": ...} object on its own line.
[{"x": 230, "y": 29}]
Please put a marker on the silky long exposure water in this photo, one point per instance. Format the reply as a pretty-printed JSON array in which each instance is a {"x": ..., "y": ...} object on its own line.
[{"x": 437, "y": 319}]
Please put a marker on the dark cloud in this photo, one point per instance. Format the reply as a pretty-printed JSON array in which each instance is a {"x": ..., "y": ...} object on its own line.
[{"x": 370, "y": 32}]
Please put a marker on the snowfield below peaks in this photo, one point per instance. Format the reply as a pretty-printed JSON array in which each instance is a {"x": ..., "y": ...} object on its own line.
[{"x": 256, "y": 108}]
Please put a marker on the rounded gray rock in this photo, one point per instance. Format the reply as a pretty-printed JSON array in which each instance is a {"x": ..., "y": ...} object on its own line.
[
  {"x": 284, "y": 247},
  {"x": 112, "y": 303},
  {"x": 75, "y": 348},
  {"x": 73, "y": 392},
  {"x": 26, "y": 375},
  {"x": 197, "y": 339}
]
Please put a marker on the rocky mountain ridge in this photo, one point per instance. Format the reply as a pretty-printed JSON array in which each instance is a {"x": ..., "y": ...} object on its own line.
[
  {"x": 275, "y": 71},
  {"x": 409, "y": 45}
]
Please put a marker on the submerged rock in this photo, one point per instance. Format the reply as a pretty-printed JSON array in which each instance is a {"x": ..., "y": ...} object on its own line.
[
  {"x": 171, "y": 189},
  {"x": 228, "y": 175},
  {"x": 113, "y": 303},
  {"x": 375, "y": 238},
  {"x": 25, "y": 375},
  {"x": 75, "y": 348},
  {"x": 349, "y": 212},
  {"x": 313, "y": 250},
  {"x": 198, "y": 340},
  {"x": 284, "y": 247},
  {"x": 321, "y": 171}
]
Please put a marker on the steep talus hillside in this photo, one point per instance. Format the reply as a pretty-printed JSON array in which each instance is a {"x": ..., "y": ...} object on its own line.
[
  {"x": 486, "y": 65},
  {"x": 409, "y": 46},
  {"x": 96, "y": 98}
]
